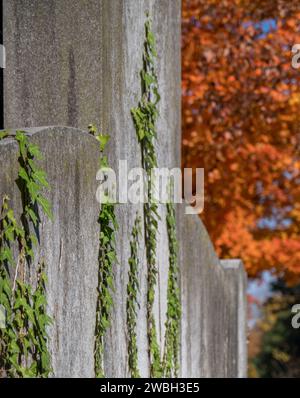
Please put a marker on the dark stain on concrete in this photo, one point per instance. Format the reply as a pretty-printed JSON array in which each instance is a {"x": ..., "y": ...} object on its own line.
[{"x": 72, "y": 98}]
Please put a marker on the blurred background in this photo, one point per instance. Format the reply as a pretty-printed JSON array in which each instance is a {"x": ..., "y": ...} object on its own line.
[{"x": 241, "y": 123}]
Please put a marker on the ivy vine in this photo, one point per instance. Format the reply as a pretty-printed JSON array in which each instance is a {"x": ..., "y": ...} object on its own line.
[
  {"x": 33, "y": 180},
  {"x": 132, "y": 301},
  {"x": 172, "y": 334},
  {"x": 145, "y": 117},
  {"x": 107, "y": 258},
  {"x": 23, "y": 341}
]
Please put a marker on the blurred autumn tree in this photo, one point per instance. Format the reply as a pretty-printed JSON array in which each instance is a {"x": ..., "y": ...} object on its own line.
[
  {"x": 241, "y": 122},
  {"x": 275, "y": 345}
]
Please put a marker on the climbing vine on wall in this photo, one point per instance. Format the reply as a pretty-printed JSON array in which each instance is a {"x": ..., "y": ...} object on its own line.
[
  {"x": 32, "y": 181},
  {"x": 172, "y": 334},
  {"x": 145, "y": 117},
  {"x": 23, "y": 341},
  {"x": 107, "y": 259},
  {"x": 132, "y": 300}
]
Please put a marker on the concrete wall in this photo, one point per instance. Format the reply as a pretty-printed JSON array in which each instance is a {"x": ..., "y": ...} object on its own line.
[
  {"x": 68, "y": 244},
  {"x": 78, "y": 62},
  {"x": 213, "y": 304},
  {"x": 121, "y": 64},
  {"x": 54, "y": 54},
  {"x": 236, "y": 280}
]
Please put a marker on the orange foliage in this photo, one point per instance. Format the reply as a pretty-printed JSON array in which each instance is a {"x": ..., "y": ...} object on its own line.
[{"x": 241, "y": 122}]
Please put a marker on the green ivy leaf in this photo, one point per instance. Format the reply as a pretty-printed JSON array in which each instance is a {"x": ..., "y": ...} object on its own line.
[
  {"x": 103, "y": 139},
  {"x": 3, "y": 134}
]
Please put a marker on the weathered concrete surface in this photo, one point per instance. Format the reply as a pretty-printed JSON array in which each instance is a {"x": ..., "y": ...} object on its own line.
[
  {"x": 236, "y": 279},
  {"x": 69, "y": 244},
  {"x": 53, "y": 73},
  {"x": 123, "y": 38},
  {"x": 77, "y": 62},
  {"x": 213, "y": 305}
]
